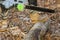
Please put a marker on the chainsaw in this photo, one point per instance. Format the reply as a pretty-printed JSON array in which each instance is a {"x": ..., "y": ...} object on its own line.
[{"x": 28, "y": 4}]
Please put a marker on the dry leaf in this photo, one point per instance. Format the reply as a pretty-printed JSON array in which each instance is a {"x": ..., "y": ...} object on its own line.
[{"x": 34, "y": 17}]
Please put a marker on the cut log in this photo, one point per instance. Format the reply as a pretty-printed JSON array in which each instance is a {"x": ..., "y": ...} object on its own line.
[{"x": 37, "y": 29}]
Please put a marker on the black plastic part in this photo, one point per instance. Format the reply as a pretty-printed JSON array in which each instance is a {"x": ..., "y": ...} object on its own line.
[
  {"x": 3, "y": 7},
  {"x": 21, "y": 1},
  {"x": 15, "y": 0},
  {"x": 18, "y": 1},
  {"x": 32, "y": 2},
  {"x": 40, "y": 9}
]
